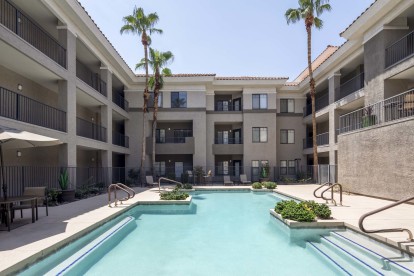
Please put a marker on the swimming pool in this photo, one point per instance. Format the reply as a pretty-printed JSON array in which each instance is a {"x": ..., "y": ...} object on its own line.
[{"x": 220, "y": 233}]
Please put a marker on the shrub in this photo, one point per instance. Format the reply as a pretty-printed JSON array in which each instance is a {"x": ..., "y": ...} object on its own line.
[
  {"x": 295, "y": 211},
  {"x": 281, "y": 205},
  {"x": 174, "y": 195},
  {"x": 322, "y": 211},
  {"x": 257, "y": 185},
  {"x": 187, "y": 186},
  {"x": 270, "y": 185}
]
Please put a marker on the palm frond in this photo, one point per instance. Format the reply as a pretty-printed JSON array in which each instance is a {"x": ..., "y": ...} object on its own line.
[
  {"x": 151, "y": 82},
  {"x": 318, "y": 23},
  {"x": 166, "y": 72},
  {"x": 323, "y": 8},
  {"x": 292, "y": 15}
]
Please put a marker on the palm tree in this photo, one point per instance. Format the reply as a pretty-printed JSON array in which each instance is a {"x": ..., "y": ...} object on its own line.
[
  {"x": 307, "y": 11},
  {"x": 142, "y": 25},
  {"x": 158, "y": 62}
]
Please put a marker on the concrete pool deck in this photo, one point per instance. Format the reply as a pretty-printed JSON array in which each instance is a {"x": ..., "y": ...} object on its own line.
[{"x": 70, "y": 221}]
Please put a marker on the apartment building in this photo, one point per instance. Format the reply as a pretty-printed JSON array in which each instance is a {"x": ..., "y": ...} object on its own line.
[{"x": 61, "y": 77}]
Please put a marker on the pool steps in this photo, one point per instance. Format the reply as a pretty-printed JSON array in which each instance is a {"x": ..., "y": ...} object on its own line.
[
  {"x": 355, "y": 254},
  {"x": 94, "y": 249}
]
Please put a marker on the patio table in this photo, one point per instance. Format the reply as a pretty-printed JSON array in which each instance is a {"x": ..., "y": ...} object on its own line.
[{"x": 7, "y": 205}]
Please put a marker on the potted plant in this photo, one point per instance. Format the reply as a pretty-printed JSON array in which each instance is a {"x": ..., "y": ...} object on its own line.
[
  {"x": 368, "y": 119},
  {"x": 264, "y": 173},
  {"x": 67, "y": 194}
]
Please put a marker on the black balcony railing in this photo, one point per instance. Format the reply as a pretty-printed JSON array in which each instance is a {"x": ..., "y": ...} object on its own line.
[
  {"x": 90, "y": 130},
  {"x": 170, "y": 140},
  {"x": 397, "y": 107},
  {"x": 350, "y": 86},
  {"x": 229, "y": 141},
  {"x": 16, "y": 21},
  {"x": 399, "y": 50},
  {"x": 231, "y": 107},
  {"x": 120, "y": 139},
  {"x": 92, "y": 79},
  {"x": 320, "y": 102},
  {"x": 24, "y": 109},
  {"x": 120, "y": 101},
  {"x": 321, "y": 140}
]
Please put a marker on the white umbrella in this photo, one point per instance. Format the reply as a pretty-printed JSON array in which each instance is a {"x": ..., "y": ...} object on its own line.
[{"x": 16, "y": 139}]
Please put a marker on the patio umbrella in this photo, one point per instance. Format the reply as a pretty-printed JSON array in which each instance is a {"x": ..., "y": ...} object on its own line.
[{"x": 16, "y": 139}]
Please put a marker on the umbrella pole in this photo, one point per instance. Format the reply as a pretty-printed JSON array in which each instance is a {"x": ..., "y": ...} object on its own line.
[{"x": 4, "y": 187}]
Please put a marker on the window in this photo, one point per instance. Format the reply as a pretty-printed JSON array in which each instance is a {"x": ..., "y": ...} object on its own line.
[
  {"x": 160, "y": 168},
  {"x": 287, "y": 136},
  {"x": 178, "y": 99},
  {"x": 222, "y": 137},
  {"x": 151, "y": 100},
  {"x": 181, "y": 134},
  {"x": 260, "y": 135},
  {"x": 283, "y": 167},
  {"x": 259, "y": 101},
  {"x": 287, "y": 106},
  {"x": 222, "y": 106},
  {"x": 291, "y": 167},
  {"x": 223, "y": 168},
  {"x": 160, "y": 136}
]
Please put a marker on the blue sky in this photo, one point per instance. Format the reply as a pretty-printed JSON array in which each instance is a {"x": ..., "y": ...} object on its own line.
[{"x": 226, "y": 37}]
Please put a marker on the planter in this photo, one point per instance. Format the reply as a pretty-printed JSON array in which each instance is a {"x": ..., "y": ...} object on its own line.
[
  {"x": 68, "y": 195},
  {"x": 369, "y": 120}
]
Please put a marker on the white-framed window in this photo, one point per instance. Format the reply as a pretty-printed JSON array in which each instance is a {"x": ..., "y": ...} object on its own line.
[
  {"x": 259, "y": 101},
  {"x": 178, "y": 99},
  {"x": 287, "y": 106},
  {"x": 259, "y": 135},
  {"x": 283, "y": 167},
  {"x": 291, "y": 167},
  {"x": 160, "y": 168},
  {"x": 287, "y": 136}
]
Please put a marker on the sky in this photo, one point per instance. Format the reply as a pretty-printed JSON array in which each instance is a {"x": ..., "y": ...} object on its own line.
[{"x": 226, "y": 37}]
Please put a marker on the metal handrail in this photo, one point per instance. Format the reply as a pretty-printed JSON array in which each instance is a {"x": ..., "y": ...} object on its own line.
[
  {"x": 127, "y": 188},
  {"x": 320, "y": 187},
  {"x": 332, "y": 194},
  {"x": 363, "y": 217},
  {"x": 167, "y": 179},
  {"x": 114, "y": 187}
]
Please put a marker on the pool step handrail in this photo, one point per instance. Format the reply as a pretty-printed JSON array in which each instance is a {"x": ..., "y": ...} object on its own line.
[
  {"x": 166, "y": 179},
  {"x": 390, "y": 230},
  {"x": 320, "y": 187},
  {"x": 127, "y": 188},
  {"x": 332, "y": 193},
  {"x": 114, "y": 188}
]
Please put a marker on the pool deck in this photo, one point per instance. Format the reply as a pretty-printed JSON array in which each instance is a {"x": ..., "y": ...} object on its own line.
[{"x": 70, "y": 221}]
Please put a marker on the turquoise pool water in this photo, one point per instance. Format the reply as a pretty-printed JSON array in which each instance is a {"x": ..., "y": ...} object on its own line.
[{"x": 221, "y": 233}]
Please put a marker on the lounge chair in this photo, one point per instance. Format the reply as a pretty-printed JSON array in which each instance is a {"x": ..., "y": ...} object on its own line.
[
  {"x": 243, "y": 179},
  {"x": 227, "y": 180},
  {"x": 150, "y": 181},
  {"x": 38, "y": 192},
  {"x": 207, "y": 176}
]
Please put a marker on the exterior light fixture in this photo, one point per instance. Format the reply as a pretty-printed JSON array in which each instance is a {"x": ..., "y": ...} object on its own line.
[
  {"x": 18, "y": 153},
  {"x": 19, "y": 87}
]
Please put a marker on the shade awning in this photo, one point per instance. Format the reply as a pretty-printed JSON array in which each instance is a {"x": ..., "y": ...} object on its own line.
[{"x": 14, "y": 138}]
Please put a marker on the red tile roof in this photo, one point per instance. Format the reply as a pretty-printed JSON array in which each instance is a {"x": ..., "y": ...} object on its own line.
[{"x": 251, "y": 78}]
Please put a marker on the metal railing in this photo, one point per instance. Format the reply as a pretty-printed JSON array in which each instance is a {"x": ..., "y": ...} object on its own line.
[
  {"x": 331, "y": 187},
  {"x": 21, "y": 108},
  {"x": 320, "y": 187},
  {"x": 320, "y": 102},
  {"x": 19, "y": 23},
  {"x": 394, "y": 108},
  {"x": 321, "y": 140},
  {"x": 92, "y": 79},
  {"x": 230, "y": 107},
  {"x": 120, "y": 101},
  {"x": 390, "y": 230},
  {"x": 119, "y": 186},
  {"x": 229, "y": 141},
  {"x": 399, "y": 50},
  {"x": 350, "y": 86},
  {"x": 120, "y": 139},
  {"x": 171, "y": 140},
  {"x": 168, "y": 180},
  {"x": 90, "y": 130}
]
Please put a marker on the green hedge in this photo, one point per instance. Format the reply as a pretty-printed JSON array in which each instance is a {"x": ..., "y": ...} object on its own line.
[
  {"x": 174, "y": 195},
  {"x": 305, "y": 211},
  {"x": 270, "y": 185},
  {"x": 257, "y": 185}
]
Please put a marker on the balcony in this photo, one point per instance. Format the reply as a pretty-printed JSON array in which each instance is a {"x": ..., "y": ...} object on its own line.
[
  {"x": 399, "y": 50},
  {"x": 228, "y": 108},
  {"x": 90, "y": 130},
  {"x": 321, "y": 140},
  {"x": 120, "y": 101},
  {"x": 120, "y": 139},
  {"x": 16, "y": 21},
  {"x": 350, "y": 86},
  {"x": 92, "y": 79},
  {"x": 320, "y": 103},
  {"x": 398, "y": 107},
  {"x": 173, "y": 145},
  {"x": 24, "y": 109}
]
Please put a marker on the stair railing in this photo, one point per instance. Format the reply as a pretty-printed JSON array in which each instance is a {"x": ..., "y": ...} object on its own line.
[
  {"x": 114, "y": 188},
  {"x": 332, "y": 193},
  {"x": 320, "y": 187},
  {"x": 363, "y": 217},
  {"x": 166, "y": 179}
]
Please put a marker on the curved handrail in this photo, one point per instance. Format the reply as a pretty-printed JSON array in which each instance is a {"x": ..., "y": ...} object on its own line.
[
  {"x": 363, "y": 217},
  {"x": 114, "y": 187},
  {"x": 332, "y": 194},
  {"x": 127, "y": 188},
  {"x": 320, "y": 187},
  {"x": 167, "y": 179}
]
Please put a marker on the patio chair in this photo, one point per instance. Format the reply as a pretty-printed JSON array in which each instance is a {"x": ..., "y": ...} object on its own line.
[
  {"x": 243, "y": 179},
  {"x": 40, "y": 193},
  {"x": 207, "y": 176},
  {"x": 227, "y": 180},
  {"x": 150, "y": 181}
]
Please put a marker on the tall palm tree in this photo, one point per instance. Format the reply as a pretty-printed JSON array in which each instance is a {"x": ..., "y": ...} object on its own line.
[
  {"x": 158, "y": 62},
  {"x": 307, "y": 11},
  {"x": 142, "y": 25}
]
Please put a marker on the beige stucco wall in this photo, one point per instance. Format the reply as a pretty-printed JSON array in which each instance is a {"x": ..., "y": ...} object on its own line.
[
  {"x": 291, "y": 151},
  {"x": 378, "y": 161}
]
